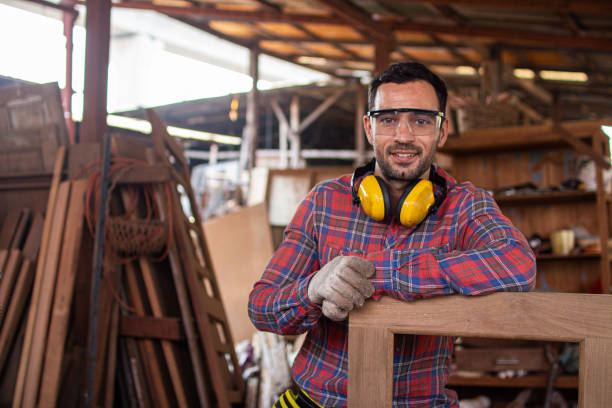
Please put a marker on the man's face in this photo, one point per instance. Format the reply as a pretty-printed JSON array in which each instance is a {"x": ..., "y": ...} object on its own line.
[{"x": 401, "y": 155}]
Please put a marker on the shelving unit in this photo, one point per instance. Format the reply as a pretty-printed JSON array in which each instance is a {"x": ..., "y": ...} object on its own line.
[
  {"x": 562, "y": 382},
  {"x": 505, "y": 157},
  {"x": 497, "y": 159}
]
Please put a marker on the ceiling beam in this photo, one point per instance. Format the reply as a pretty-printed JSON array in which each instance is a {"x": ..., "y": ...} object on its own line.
[
  {"x": 211, "y": 13},
  {"x": 596, "y": 7},
  {"x": 509, "y": 35},
  {"x": 63, "y": 7},
  {"x": 506, "y": 35},
  {"x": 358, "y": 18}
]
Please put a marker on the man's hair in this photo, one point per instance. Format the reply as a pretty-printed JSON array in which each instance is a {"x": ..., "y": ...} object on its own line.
[{"x": 403, "y": 72}]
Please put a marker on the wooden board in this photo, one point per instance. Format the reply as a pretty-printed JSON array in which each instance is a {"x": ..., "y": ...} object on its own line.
[
  {"x": 15, "y": 309},
  {"x": 154, "y": 365},
  {"x": 62, "y": 302},
  {"x": 247, "y": 231},
  {"x": 9, "y": 226},
  {"x": 45, "y": 298},
  {"x": 9, "y": 276},
  {"x": 40, "y": 266}
]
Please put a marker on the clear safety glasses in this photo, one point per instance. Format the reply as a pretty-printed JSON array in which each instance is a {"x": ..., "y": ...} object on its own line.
[{"x": 421, "y": 122}]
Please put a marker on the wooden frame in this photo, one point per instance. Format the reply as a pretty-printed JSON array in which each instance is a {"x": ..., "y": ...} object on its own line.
[{"x": 581, "y": 318}]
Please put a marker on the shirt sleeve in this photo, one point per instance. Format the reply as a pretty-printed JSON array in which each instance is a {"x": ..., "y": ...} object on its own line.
[
  {"x": 279, "y": 301},
  {"x": 486, "y": 254}
]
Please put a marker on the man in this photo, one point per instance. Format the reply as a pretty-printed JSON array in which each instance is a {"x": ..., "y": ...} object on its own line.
[{"x": 340, "y": 250}]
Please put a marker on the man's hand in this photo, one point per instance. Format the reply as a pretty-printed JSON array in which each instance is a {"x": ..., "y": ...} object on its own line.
[{"x": 341, "y": 285}]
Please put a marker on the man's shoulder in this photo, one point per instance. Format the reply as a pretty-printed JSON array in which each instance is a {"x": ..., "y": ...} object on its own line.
[{"x": 338, "y": 184}]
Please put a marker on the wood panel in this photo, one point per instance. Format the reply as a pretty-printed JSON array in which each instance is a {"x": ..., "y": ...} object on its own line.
[{"x": 249, "y": 230}]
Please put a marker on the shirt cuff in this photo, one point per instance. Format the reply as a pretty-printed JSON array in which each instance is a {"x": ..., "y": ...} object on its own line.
[{"x": 302, "y": 296}]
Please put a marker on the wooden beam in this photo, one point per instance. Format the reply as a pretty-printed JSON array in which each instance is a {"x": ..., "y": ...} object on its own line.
[
  {"x": 360, "y": 141},
  {"x": 507, "y": 35},
  {"x": 349, "y": 14},
  {"x": 283, "y": 133},
  {"x": 160, "y": 328},
  {"x": 382, "y": 56},
  {"x": 63, "y": 297},
  {"x": 356, "y": 17},
  {"x": 93, "y": 126},
  {"x": 210, "y": 13},
  {"x": 314, "y": 115},
  {"x": 574, "y": 6}
]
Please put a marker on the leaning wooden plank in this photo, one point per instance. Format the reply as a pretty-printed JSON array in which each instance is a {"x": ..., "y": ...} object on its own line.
[
  {"x": 9, "y": 276},
  {"x": 21, "y": 229},
  {"x": 3, "y": 257},
  {"x": 109, "y": 393},
  {"x": 8, "y": 228},
  {"x": 183, "y": 299},
  {"x": 25, "y": 354},
  {"x": 62, "y": 302},
  {"x": 147, "y": 347},
  {"x": 106, "y": 301},
  {"x": 136, "y": 366},
  {"x": 127, "y": 391},
  {"x": 32, "y": 242},
  {"x": 170, "y": 353},
  {"x": 47, "y": 287},
  {"x": 15, "y": 309}
]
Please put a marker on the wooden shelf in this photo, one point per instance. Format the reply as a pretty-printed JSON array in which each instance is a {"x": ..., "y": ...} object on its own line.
[
  {"x": 519, "y": 137},
  {"x": 553, "y": 257},
  {"x": 548, "y": 197},
  {"x": 564, "y": 381}
]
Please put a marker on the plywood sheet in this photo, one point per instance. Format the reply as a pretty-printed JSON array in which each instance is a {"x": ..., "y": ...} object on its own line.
[
  {"x": 240, "y": 246},
  {"x": 286, "y": 191}
]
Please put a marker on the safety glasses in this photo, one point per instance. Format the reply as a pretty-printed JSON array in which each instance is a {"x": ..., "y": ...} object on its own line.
[{"x": 421, "y": 122}]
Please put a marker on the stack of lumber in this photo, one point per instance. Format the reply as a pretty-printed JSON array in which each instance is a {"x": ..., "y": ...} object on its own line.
[{"x": 160, "y": 336}]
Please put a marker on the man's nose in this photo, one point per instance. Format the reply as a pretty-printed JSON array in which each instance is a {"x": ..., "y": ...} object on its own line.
[{"x": 404, "y": 131}]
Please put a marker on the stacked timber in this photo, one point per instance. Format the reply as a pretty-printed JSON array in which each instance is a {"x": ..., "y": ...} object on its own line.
[{"x": 154, "y": 332}]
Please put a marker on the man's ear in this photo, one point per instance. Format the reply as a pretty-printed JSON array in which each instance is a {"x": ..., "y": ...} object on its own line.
[
  {"x": 367, "y": 126},
  {"x": 443, "y": 134}
]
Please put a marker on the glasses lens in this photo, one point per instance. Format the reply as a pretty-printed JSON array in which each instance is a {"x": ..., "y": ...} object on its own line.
[{"x": 420, "y": 123}]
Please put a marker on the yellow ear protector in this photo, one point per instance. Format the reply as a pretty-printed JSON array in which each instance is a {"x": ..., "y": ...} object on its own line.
[{"x": 414, "y": 205}]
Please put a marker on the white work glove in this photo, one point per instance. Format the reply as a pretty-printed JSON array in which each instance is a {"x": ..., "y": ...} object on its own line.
[{"x": 341, "y": 285}]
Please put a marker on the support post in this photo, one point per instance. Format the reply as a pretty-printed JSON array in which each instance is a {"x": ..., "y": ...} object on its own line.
[
  {"x": 93, "y": 126},
  {"x": 294, "y": 123},
  {"x": 249, "y": 134},
  {"x": 67, "y": 92},
  {"x": 359, "y": 132},
  {"x": 382, "y": 55}
]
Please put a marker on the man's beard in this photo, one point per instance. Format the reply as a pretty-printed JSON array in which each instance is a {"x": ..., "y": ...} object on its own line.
[{"x": 404, "y": 174}]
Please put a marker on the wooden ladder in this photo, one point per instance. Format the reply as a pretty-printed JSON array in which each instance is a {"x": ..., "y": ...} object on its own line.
[{"x": 211, "y": 320}]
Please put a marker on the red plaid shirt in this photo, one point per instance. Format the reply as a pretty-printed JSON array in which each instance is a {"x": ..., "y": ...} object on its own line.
[{"x": 466, "y": 247}]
